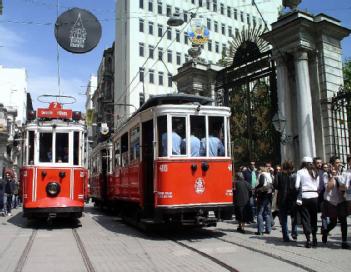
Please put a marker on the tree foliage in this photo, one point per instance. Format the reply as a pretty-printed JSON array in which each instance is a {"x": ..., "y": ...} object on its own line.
[{"x": 347, "y": 74}]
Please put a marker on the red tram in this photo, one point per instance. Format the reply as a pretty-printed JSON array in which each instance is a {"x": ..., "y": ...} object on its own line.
[
  {"x": 154, "y": 176},
  {"x": 53, "y": 177}
]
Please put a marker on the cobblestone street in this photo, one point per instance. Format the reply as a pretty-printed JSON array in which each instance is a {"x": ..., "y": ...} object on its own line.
[{"x": 100, "y": 242}]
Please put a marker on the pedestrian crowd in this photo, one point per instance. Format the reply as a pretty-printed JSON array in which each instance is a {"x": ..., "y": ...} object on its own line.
[
  {"x": 265, "y": 192},
  {"x": 9, "y": 193}
]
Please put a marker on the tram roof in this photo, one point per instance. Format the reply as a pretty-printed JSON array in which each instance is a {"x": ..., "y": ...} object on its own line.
[{"x": 174, "y": 99}]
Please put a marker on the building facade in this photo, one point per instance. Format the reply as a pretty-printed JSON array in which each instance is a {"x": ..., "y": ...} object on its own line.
[
  {"x": 103, "y": 97},
  {"x": 148, "y": 52},
  {"x": 13, "y": 87}
]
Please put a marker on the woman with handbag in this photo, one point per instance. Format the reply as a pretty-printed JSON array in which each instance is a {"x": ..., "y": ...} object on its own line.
[{"x": 335, "y": 204}]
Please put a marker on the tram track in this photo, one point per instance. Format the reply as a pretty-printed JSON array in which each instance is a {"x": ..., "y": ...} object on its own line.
[
  {"x": 87, "y": 262},
  {"x": 24, "y": 256}
]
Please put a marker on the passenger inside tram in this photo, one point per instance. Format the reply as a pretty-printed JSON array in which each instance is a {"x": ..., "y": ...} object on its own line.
[{"x": 216, "y": 136}]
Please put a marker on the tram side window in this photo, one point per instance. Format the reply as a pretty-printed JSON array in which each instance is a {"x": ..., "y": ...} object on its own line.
[
  {"x": 197, "y": 132},
  {"x": 76, "y": 148},
  {"x": 135, "y": 144},
  {"x": 162, "y": 136},
  {"x": 124, "y": 149},
  {"x": 45, "y": 147},
  {"x": 216, "y": 137},
  {"x": 178, "y": 136},
  {"x": 31, "y": 147},
  {"x": 62, "y": 150},
  {"x": 117, "y": 153}
]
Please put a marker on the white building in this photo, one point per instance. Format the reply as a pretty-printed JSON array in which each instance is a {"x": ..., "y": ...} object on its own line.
[
  {"x": 91, "y": 88},
  {"x": 13, "y": 88},
  {"x": 140, "y": 24}
]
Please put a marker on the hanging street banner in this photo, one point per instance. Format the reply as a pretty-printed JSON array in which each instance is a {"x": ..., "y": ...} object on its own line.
[
  {"x": 198, "y": 32},
  {"x": 77, "y": 31}
]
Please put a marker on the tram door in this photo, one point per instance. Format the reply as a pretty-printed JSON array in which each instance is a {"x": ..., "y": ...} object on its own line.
[
  {"x": 148, "y": 166},
  {"x": 103, "y": 174}
]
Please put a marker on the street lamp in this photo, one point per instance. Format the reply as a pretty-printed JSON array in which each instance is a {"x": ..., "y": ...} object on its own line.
[{"x": 279, "y": 122}]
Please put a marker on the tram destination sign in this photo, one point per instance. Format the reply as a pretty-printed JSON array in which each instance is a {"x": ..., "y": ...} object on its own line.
[
  {"x": 77, "y": 30},
  {"x": 55, "y": 111}
]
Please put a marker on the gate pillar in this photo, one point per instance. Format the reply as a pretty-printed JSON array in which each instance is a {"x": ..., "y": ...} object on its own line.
[{"x": 310, "y": 50}]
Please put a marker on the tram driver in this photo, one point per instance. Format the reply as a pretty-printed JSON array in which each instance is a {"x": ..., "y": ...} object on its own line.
[{"x": 177, "y": 132}]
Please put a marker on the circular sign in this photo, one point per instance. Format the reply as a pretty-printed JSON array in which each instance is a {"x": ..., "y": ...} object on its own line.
[
  {"x": 199, "y": 186},
  {"x": 77, "y": 31}
]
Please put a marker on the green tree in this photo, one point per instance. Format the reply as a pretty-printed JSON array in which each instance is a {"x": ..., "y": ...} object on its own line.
[{"x": 347, "y": 73}]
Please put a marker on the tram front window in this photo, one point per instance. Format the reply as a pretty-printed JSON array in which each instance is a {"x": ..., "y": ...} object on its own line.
[
  {"x": 62, "y": 151},
  {"x": 197, "y": 132},
  {"x": 215, "y": 141},
  {"x": 45, "y": 147}
]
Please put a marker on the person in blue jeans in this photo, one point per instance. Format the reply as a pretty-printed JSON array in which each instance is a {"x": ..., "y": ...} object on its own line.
[
  {"x": 264, "y": 202},
  {"x": 286, "y": 198}
]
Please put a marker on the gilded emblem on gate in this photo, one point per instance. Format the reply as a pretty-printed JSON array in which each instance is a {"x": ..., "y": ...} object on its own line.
[{"x": 199, "y": 186}]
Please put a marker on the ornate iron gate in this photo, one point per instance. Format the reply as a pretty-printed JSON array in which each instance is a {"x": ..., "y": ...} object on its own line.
[
  {"x": 248, "y": 86},
  {"x": 341, "y": 123}
]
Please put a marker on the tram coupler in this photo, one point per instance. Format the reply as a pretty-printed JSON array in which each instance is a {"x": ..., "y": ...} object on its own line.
[{"x": 51, "y": 216}]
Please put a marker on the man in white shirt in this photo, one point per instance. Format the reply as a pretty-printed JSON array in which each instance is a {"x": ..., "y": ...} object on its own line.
[{"x": 307, "y": 181}]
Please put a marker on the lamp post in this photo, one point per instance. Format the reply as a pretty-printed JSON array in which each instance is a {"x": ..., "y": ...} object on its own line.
[{"x": 279, "y": 123}]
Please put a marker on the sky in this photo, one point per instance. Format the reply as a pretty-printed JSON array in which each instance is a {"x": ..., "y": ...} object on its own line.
[{"x": 27, "y": 41}]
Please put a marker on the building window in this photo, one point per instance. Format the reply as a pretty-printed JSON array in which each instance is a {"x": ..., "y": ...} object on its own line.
[
  {"x": 200, "y": 3},
  {"x": 185, "y": 16},
  {"x": 141, "y": 74},
  {"x": 169, "y": 56},
  {"x": 170, "y": 80},
  {"x": 160, "y": 78},
  {"x": 151, "y": 52},
  {"x": 160, "y": 53},
  {"x": 248, "y": 19},
  {"x": 178, "y": 58},
  {"x": 230, "y": 31},
  {"x": 151, "y": 28},
  {"x": 235, "y": 14},
  {"x": 215, "y": 26},
  {"x": 159, "y": 30},
  {"x": 169, "y": 33},
  {"x": 141, "y": 49},
  {"x": 254, "y": 21},
  {"x": 241, "y": 16},
  {"x": 141, "y": 25},
  {"x": 214, "y": 5},
  {"x": 150, "y": 6},
  {"x": 177, "y": 35},
  {"x": 186, "y": 57},
  {"x": 236, "y": 32},
  {"x": 193, "y": 2},
  {"x": 217, "y": 47},
  {"x": 224, "y": 48},
  {"x": 222, "y": 8},
  {"x": 169, "y": 11},
  {"x": 223, "y": 29},
  {"x": 151, "y": 76},
  {"x": 186, "y": 38},
  {"x": 209, "y": 24},
  {"x": 176, "y": 10},
  {"x": 141, "y": 4},
  {"x": 159, "y": 7},
  {"x": 208, "y": 4},
  {"x": 209, "y": 45},
  {"x": 229, "y": 12}
]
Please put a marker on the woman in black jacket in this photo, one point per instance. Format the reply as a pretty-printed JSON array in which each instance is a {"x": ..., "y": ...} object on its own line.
[
  {"x": 286, "y": 198},
  {"x": 242, "y": 191}
]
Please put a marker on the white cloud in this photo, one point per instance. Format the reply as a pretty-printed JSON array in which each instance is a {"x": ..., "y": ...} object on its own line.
[{"x": 48, "y": 85}]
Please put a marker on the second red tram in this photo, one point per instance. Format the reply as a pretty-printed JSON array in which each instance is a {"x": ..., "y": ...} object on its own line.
[
  {"x": 169, "y": 163},
  {"x": 53, "y": 177}
]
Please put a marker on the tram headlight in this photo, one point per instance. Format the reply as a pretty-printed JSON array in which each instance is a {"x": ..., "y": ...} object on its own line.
[{"x": 53, "y": 188}]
